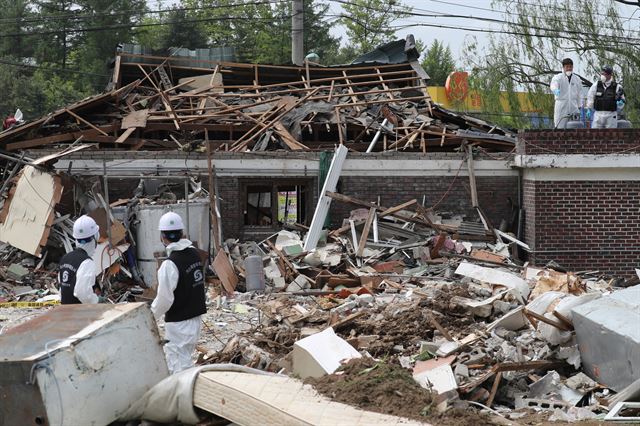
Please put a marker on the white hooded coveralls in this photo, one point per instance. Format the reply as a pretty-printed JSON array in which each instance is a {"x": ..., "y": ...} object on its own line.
[
  {"x": 86, "y": 276},
  {"x": 182, "y": 335},
  {"x": 568, "y": 101}
]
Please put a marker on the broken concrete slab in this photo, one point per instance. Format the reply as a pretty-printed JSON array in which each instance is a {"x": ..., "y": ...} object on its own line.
[
  {"x": 17, "y": 272},
  {"x": 320, "y": 354},
  {"x": 495, "y": 277},
  {"x": 607, "y": 332}
]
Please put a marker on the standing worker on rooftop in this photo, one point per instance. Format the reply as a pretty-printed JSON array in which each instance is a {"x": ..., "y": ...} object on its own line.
[
  {"x": 181, "y": 294},
  {"x": 567, "y": 90},
  {"x": 607, "y": 98}
]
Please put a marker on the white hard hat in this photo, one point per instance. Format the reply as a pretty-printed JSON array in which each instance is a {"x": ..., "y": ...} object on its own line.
[
  {"x": 170, "y": 222},
  {"x": 85, "y": 227}
]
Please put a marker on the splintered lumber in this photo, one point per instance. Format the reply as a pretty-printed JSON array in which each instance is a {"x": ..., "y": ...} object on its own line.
[
  {"x": 557, "y": 324},
  {"x": 224, "y": 269},
  {"x": 282, "y": 257},
  {"x": 136, "y": 119},
  {"x": 76, "y": 116},
  {"x": 123, "y": 137},
  {"x": 365, "y": 232},
  {"x": 356, "y": 202},
  {"x": 494, "y": 388},
  {"x": 397, "y": 208}
]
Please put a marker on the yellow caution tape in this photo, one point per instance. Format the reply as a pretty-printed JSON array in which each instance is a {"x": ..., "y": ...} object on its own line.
[{"x": 29, "y": 304}]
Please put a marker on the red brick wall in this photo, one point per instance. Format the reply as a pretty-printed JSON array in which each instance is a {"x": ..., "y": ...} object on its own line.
[
  {"x": 579, "y": 141},
  {"x": 584, "y": 225}
]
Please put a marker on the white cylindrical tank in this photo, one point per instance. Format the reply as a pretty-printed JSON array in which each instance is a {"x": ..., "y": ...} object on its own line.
[{"x": 150, "y": 249}]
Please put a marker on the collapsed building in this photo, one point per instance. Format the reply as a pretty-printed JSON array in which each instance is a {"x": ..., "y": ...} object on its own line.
[{"x": 353, "y": 188}]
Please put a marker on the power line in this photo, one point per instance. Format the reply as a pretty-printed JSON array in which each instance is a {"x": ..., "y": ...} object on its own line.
[
  {"x": 47, "y": 68},
  {"x": 135, "y": 12},
  {"x": 534, "y": 5},
  {"x": 518, "y": 15},
  {"x": 625, "y": 40},
  {"x": 399, "y": 12},
  {"x": 128, "y": 26}
]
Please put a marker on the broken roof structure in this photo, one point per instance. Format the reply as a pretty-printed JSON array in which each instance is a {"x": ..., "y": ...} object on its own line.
[{"x": 379, "y": 103}]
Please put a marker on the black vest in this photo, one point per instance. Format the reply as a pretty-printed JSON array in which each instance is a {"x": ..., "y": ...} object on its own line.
[
  {"x": 605, "y": 98},
  {"x": 69, "y": 265},
  {"x": 189, "y": 297}
]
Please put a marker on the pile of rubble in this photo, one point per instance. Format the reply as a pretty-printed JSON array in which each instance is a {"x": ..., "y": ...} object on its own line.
[
  {"x": 160, "y": 104},
  {"x": 469, "y": 322}
]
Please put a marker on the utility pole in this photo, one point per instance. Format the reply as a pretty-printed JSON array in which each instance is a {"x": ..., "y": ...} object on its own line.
[{"x": 297, "y": 32}]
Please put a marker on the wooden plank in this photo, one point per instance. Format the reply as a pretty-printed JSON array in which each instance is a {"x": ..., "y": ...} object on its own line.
[
  {"x": 165, "y": 101},
  {"x": 135, "y": 119},
  {"x": 213, "y": 206},
  {"x": 397, "y": 208},
  {"x": 494, "y": 389},
  {"x": 77, "y": 117},
  {"x": 339, "y": 124},
  {"x": 365, "y": 232},
  {"x": 224, "y": 269},
  {"x": 282, "y": 257},
  {"x": 348, "y": 319},
  {"x": 439, "y": 327},
  {"x": 354, "y": 98},
  {"x": 124, "y": 136},
  {"x": 542, "y": 318}
]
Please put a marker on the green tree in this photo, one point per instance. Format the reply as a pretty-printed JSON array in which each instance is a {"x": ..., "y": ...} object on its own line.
[
  {"x": 438, "y": 62},
  {"x": 18, "y": 16},
  {"x": 539, "y": 33},
  {"x": 108, "y": 23},
  {"x": 368, "y": 23}
]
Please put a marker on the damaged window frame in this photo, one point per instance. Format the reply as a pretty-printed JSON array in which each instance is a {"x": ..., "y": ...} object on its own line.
[{"x": 303, "y": 187}]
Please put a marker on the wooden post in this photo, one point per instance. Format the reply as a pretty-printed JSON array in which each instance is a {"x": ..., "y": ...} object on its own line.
[
  {"x": 213, "y": 205},
  {"x": 472, "y": 177}
]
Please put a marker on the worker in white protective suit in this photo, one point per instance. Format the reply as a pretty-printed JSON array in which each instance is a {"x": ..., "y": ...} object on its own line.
[
  {"x": 567, "y": 89},
  {"x": 181, "y": 294},
  {"x": 607, "y": 98},
  {"x": 77, "y": 271}
]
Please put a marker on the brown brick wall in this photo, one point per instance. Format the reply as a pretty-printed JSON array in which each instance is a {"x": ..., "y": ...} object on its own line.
[
  {"x": 584, "y": 225},
  {"x": 579, "y": 141}
]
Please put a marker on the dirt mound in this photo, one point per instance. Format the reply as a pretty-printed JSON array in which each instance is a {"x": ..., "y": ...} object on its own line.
[{"x": 379, "y": 387}]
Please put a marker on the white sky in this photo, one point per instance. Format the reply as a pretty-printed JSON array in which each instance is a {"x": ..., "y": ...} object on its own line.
[{"x": 456, "y": 37}]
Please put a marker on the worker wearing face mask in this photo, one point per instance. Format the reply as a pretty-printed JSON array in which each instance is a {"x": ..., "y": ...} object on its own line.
[
  {"x": 181, "y": 294},
  {"x": 607, "y": 98},
  {"x": 567, "y": 89},
  {"x": 77, "y": 274}
]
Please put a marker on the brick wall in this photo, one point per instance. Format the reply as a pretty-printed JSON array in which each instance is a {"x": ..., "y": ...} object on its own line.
[
  {"x": 584, "y": 225},
  {"x": 579, "y": 141},
  {"x": 493, "y": 193}
]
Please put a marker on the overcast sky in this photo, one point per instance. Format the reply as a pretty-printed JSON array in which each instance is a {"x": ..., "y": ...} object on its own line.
[{"x": 456, "y": 37}]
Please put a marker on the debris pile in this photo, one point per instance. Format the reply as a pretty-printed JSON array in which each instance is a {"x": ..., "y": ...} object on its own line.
[
  {"x": 466, "y": 320},
  {"x": 239, "y": 107}
]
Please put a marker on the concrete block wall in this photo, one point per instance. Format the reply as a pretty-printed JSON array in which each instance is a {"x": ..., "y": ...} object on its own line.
[{"x": 582, "y": 202}]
